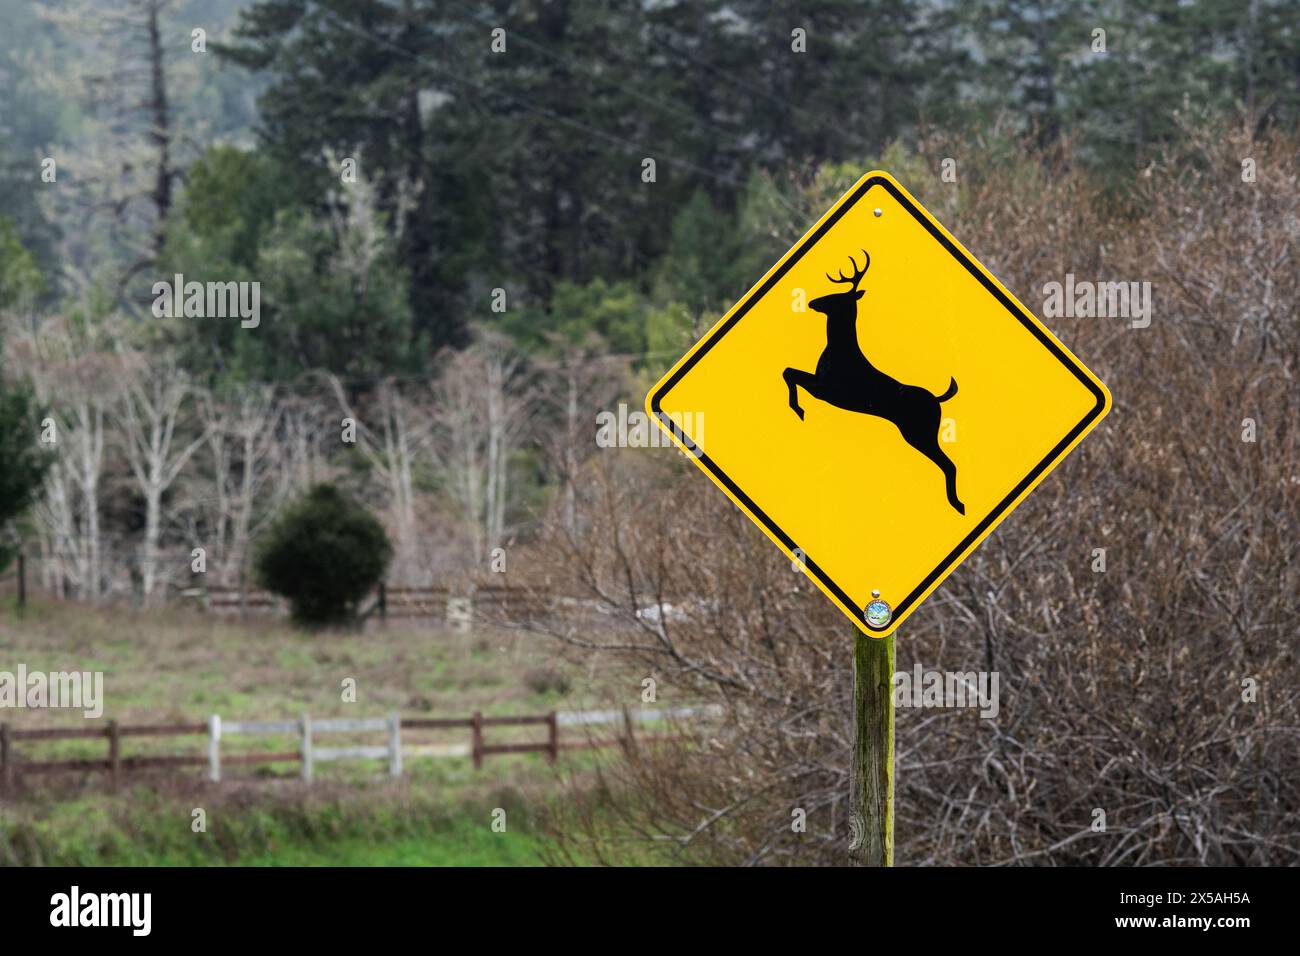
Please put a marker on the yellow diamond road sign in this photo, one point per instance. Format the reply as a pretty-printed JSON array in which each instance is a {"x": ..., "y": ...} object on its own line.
[{"x": 877, "y": 403}]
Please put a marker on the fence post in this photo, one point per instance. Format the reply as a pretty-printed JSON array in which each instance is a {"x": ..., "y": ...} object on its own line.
[
  {"x": 22, "y": 580},
  {"x": 383, "y": 602},
  {"x": 394, "y": 744},
  {"x": 478, "y": 739},
  {"x": 6, "y": 762},
  {"x": 214, "y": 748},
  {"x": 460, "y": 613},
  {"x": 114, "y": 752},
  {"x": 304, "y": 747},
  {"x": 629, "y": 738},
  {"x": 552, "y": 736}
]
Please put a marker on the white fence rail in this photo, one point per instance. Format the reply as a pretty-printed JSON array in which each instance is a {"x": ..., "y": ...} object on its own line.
[{"x": 308, "y": 730}]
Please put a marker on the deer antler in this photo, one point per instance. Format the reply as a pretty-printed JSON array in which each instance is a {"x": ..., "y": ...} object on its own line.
[{"x": 857, "y": 274}]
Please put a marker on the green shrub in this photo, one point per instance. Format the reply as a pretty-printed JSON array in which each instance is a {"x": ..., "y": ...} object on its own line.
[
  {"x": 544, "y": 680},
  {"x": 324, "y": 554}
]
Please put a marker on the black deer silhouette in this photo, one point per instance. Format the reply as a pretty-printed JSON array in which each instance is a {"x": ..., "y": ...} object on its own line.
[{"x": 845, "y": 379}]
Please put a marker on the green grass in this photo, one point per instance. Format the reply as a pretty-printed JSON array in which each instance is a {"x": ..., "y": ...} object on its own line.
[
  {"x": 467, "y": 845},
  {"x": 164, "y": 667},
  {"x": 440, "y": 816},
  {"x": 100, "y": 838},
  {"x": 188, "y": 663}
]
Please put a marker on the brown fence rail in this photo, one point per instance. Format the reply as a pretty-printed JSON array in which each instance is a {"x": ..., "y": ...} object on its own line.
[
  {"x": 491, "y": 602},
  {"x": 486, "y": 602},
  {"x": 309, "y": 730}
]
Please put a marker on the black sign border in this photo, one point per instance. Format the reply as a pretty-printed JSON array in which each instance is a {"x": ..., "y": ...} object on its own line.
[{"x": 1008, "y": 303}]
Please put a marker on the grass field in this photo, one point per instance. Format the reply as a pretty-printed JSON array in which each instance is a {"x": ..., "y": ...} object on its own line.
[
  {"x": 162, "y": 667},
  {"x": 388, "y": 826},
  {"x": 174, "y": 665}
]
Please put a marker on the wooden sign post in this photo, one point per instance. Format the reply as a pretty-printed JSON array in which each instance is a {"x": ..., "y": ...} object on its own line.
[{"x": 871, "y": 770}]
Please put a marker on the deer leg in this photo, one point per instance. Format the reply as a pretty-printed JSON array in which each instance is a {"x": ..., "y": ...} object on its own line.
[
  {"x": 929, "y": 447},
  {"x": 793, "y": 379},
  {"x": 949, "y": 479}
]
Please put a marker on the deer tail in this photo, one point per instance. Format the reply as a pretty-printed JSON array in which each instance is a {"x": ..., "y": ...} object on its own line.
[{"x": 952, "y": 390}]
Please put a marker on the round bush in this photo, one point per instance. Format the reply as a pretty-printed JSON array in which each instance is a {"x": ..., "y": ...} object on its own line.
[{"x": 324, "y": 554}]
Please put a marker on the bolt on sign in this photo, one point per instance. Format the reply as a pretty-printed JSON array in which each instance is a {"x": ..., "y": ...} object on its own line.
[{"x": 878, "y": 403}]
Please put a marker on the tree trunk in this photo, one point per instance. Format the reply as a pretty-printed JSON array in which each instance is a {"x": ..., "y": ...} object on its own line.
[{"x": 161, "y": 132}]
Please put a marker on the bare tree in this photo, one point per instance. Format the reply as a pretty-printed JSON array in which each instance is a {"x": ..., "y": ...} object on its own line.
[
  {"x": 483, "y": 410},
  {"x": 241, "y": 427},
  {"x": 306, "y": 436},
  {"x": 393, "y": 432},
  {"x": 573, "y": 389},
  {"x": 153, "y": 401},
  {"x": 126, "y": 169},
  {"x": 75, "y": 379}
]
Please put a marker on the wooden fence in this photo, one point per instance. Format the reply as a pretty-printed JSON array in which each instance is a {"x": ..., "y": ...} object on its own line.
[
  {"x": 393, "y": 751},
  {"x": 491, "y": 602}
]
